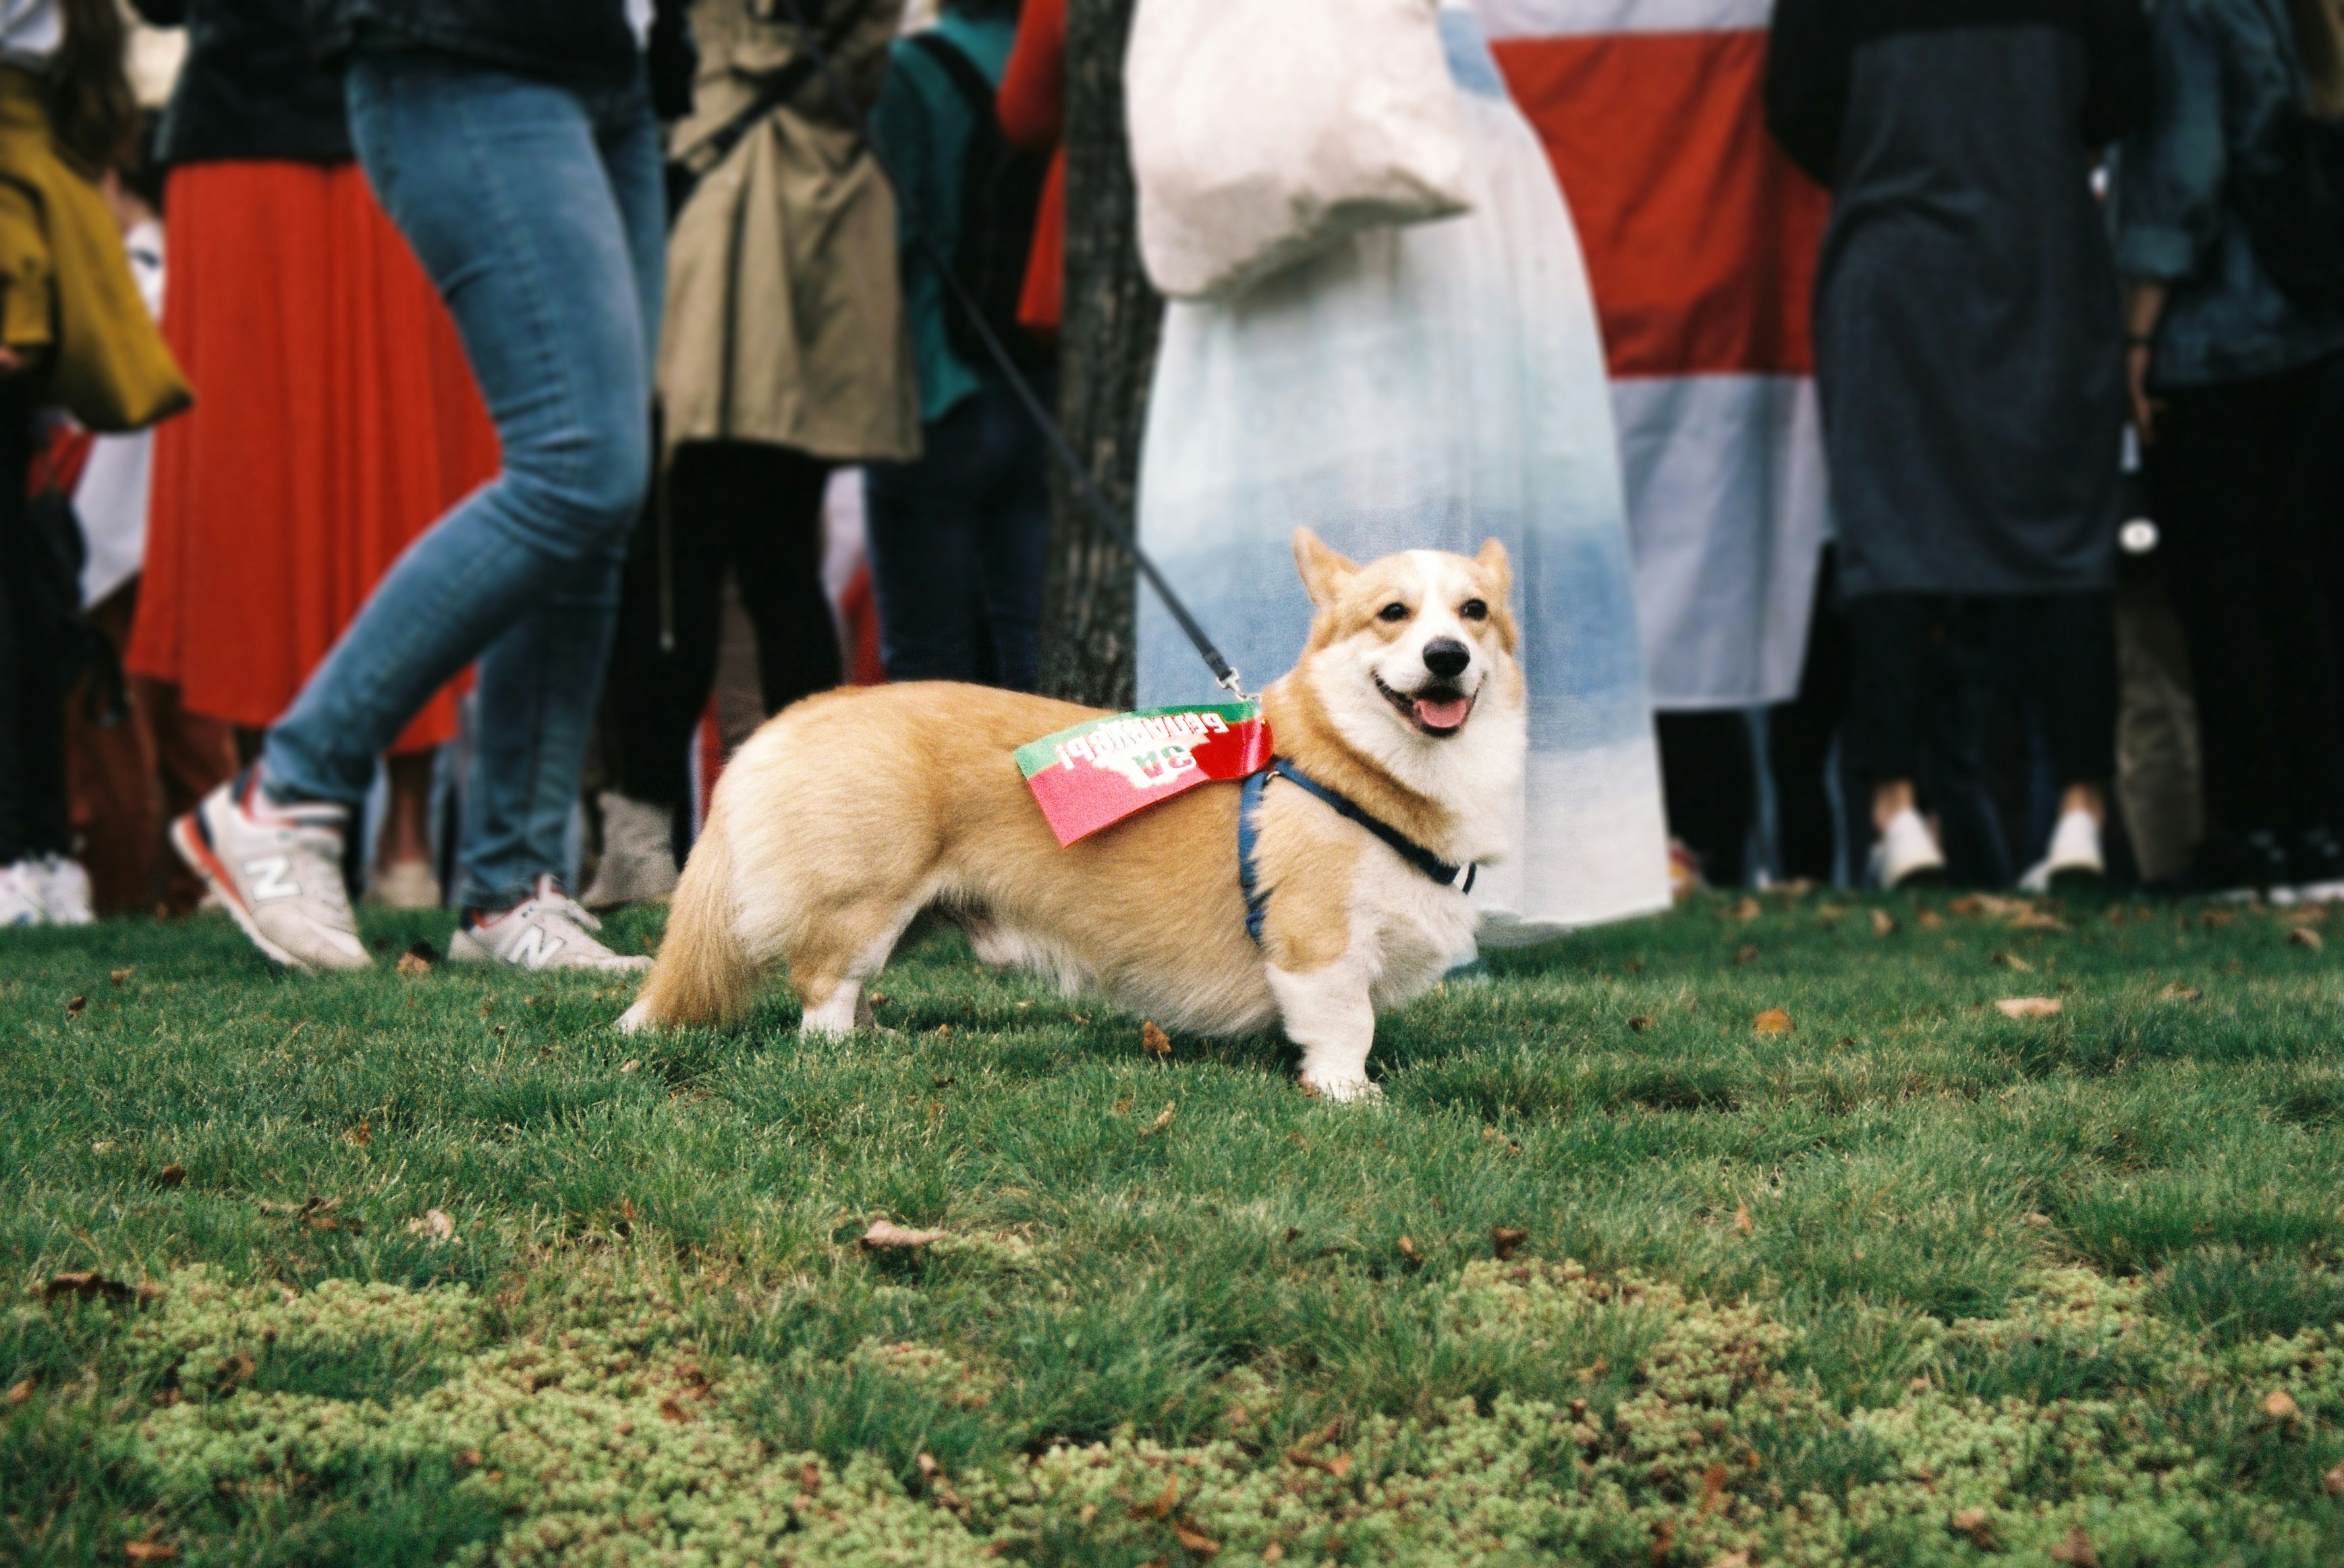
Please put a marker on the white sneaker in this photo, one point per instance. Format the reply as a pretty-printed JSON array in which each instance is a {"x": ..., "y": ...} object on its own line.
[
  {"x": 410, "y": 884},
  {"x": 20, "y": 895},
  {"x": 63, "y": 890},
  {"x": 550, "y": 931},
  {"x": 2075, "y": 855},
  {"x": 638, "y": 854},
  {"x": 277, "y": 869},
  {"x": 1907, "y": 853}
]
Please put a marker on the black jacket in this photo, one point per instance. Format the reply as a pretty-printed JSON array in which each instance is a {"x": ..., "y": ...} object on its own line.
[
  {"x": 561, "y": 40},
  {"x": 250, "y": 88}
]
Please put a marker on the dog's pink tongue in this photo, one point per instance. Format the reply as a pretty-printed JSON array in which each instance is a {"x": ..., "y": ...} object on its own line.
[{"x": 1444, "y": 716}]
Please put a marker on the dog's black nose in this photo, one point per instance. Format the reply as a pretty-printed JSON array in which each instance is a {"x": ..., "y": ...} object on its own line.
[{"x": 1446, "y": 657}]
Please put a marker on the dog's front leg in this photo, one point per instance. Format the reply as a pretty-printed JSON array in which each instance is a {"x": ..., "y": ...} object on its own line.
[{"x": 1327, "y": 1013}]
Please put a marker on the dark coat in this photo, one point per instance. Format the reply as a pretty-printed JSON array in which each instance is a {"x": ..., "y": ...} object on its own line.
[
  {"x": 250, "y": 88},
  {"x": 1968, "y": 330},
  {"x": 559, "y": 40}
]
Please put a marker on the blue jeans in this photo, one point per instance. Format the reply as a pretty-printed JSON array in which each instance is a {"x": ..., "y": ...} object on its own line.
[
  {"x": 958, "y": 542},
  {"x": 537, "y": 210}
]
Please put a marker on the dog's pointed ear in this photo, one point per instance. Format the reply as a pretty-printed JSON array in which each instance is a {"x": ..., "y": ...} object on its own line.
[
  {"x": 1324, "y": 570},
  {"x": 1495, "y": 566}
]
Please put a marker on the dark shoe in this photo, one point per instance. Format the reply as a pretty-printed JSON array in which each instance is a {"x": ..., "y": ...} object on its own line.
[
  {"x": 2315, "y": 865},
  {"x": 2238, "y": 865}
]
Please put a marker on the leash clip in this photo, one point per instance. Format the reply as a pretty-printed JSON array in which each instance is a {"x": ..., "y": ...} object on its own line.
[{"x": 1234, "y": 686}]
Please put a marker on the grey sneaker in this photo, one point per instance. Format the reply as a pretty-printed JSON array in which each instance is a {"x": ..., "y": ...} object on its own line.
[
  {"x": 550, "y": 930},
  {"x": 64, "y": 890},
  {"x": 277, "y": 869},
  {"x": 638, "y": 855}
]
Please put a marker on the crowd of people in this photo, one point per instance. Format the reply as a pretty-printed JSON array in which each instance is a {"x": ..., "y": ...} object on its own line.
[{"x": 493, "y": 359}]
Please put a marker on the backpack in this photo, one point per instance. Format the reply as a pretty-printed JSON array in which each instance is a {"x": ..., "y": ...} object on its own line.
[
  {"x": 2290, "y": 192},
  {"x": 1000, "y": 198}
]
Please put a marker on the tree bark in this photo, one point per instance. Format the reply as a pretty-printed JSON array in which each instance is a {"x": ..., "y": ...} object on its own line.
[{"x": 1106, "y": 356}]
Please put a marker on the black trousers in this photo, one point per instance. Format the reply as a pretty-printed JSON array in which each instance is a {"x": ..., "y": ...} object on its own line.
[
  {"x": 2247, "y": 482},
  {"x": 1927, "y": 668},
  {"x": 1799, "y": 736},
  {"x": 756, "y": 509},
  {"x": 1709, "y": 781},
  {"x": 32, "y": 662}
]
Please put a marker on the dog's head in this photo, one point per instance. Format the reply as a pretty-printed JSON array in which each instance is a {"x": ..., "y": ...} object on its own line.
[{"x": 1424, "y": 634}]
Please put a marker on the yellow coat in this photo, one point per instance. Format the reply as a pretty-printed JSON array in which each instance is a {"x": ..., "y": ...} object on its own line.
[
  {"x": 785, "y": 318},
  {"x": 67, "y": 303}
]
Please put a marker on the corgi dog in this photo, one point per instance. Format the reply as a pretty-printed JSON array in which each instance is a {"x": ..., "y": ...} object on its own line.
[{"x": 850, "y": 814}]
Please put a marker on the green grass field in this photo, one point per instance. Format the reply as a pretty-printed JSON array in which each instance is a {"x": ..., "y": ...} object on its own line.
[{"x": 433, "y": 1268}]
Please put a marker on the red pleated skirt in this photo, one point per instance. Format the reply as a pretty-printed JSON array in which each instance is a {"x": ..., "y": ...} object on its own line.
[{"x": 335, "y": 419}]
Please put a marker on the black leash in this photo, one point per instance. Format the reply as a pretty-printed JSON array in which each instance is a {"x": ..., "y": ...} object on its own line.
[{"x": 1094, "y": 500}]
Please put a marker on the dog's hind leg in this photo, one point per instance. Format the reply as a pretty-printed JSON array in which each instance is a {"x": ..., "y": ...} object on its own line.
[{"x": 829, "y": 975}]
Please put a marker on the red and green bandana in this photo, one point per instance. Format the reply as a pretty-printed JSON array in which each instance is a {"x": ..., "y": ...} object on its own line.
[{"x": 1102, "y": 772}]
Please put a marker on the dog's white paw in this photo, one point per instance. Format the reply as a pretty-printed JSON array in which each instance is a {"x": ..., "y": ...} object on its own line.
[
  {"x": 635, "y": 1019},
  {"x": 1341, "y": 1090}
]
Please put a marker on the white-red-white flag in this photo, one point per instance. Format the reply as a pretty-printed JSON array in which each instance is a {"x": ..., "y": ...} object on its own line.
[{"x": 1701, "y": 239}]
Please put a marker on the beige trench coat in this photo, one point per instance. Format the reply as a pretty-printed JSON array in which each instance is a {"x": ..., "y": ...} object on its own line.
[{"x": 784, "y": 318}]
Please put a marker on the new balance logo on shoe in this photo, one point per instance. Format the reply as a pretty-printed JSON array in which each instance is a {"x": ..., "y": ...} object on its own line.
[
  {"x": 535, "y": 949},
  {"x": 271, "y": 877}
]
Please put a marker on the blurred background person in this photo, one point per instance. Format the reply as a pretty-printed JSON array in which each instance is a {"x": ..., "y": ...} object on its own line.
[
  {"x": 1968, "y": 341},
  {"x": 2237, "y": 386},
  {"x": 74, "y": 333},
  {"x": 958, "y": 538},
  {"x": 338, "y": 415},
  {"x": 786, "y": 354},
  {"x": 514, "y": 144}
]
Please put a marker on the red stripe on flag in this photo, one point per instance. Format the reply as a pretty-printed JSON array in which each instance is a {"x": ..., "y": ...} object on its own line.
[{"x": 1700, "y": 236}]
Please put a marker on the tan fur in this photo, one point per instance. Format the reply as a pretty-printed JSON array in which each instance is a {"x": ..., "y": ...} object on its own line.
[{"x": 847, "y": 815}]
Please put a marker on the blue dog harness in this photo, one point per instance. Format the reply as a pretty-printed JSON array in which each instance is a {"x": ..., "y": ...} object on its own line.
[{"x": 1257, "y": 897}]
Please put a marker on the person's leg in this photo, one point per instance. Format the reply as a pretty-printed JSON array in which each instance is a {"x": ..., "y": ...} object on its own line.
[
  {"x": 1965, "y": 642},
  {"x": 403, "y": 876},
  {"x": 2157, "y": 778},
  {"x": 1887, "y": 655},
  {"x": 2067, "y": 648},
  {"x": 1709, "y": 775},
  {"x": 1799, "y": 739},
  {"x": 535, "y": 711},
  {"x": 32, "y": 708},
  {"x": 1016, "y": 540},
  {"x": 926, "y": 566},
  {"x": 772, "y": 514}
]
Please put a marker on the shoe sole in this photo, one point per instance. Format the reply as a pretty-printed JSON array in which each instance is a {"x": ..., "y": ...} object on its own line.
[
  {"x": 1919, "y": 876},
  {"x": 2077, "y": 879},
  {"x": 193, "y": 849}
]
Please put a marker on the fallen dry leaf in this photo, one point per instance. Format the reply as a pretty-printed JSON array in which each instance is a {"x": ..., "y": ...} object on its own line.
[
  {"x": 1773, "y": 1021},
  {"x": 2010, "y": 961},
  {"x": 73, "y": 1008},
  {"x": 2178, "y": 992},
  {"x": 1162, "y": 1120},
  {"x": 119, "y": 975},
  {"x": 2304, "y": 937},
  {"x": 1882, "y": 922},
  {"x": 2279, "y": 1405},
  {"x": 172, "y": 1175},
  {"x": 2038, "y": 920},
  {"x": 1741, "y": 1220},
  {"x": 1154, "y": 1041},
  {"x": 1638, "y": 1025},
  {"x": 1712, "y": 1488},
  {"x": 360, "y": 1136},
  {"x": 884, "y": 1235},
  {"x": 2030, "y": 1007},
  {"x": 2214, "y": 919},
  {"x": 2333, "y": 1480},
  {"x": 2075, "y": 1552},
  {"x": 1161, "y": 1506},
  {"x": 409, "y": 964},
  {"x": 1746, "y": 909},
  {"x": 433, "y": 1223},
  {"x": 19, "y": 1393},
  {"x": 1746, "y": 954},
  {"x": 149, "y": 1551},
  {"x": 1732, "y": 1559},
  {"x": 1504, "y": 1242},
  {"x": 89, "y": 1284},
  {"x": 1407, "y": 1249},
  {"x": 2035, "y": 1219},
  {"x": 1971, "y": 1522},
  {"x": 1930, "y": 920},
  {"x": 671, "y": 1411},
  {"x": 630, "y": 1064},
  {"x": 1273, "y": 1552},
  {"x": 1195, "y": 1542}
]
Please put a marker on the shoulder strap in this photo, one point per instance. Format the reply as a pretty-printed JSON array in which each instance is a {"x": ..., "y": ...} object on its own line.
[{"x": 1248, "y": 835}]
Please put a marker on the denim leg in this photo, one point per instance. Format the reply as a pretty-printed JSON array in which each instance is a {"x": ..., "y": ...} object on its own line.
[
  {"x": 537, "y": 689},
  {"x": 522, "y": 207},
  {"x": 926, "y": 566},
  {"x": 1016, "y": 541}
]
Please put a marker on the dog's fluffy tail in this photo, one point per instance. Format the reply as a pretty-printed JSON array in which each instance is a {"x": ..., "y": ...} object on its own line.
[{"x": 706, "y": 974}]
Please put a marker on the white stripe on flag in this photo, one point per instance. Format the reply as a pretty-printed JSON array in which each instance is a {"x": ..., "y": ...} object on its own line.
[
  {"x": 1565, "y": 18},
  {"x": 1728, "y": 510}
]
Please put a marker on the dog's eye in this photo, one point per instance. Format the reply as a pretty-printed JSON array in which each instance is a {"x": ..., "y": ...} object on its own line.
[
  {"x": 1392, "y": 612},
  {"x": 1474, "y": 610}
]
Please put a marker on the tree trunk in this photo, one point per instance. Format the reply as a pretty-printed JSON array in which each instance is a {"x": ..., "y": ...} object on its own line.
[{"x": 1106, "y": 356}]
